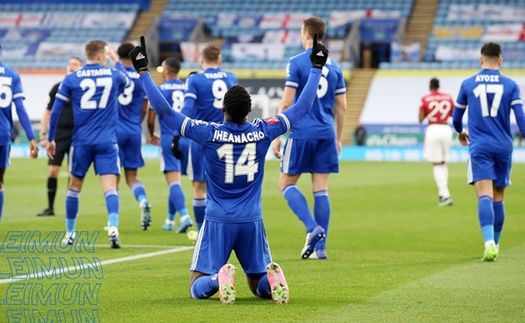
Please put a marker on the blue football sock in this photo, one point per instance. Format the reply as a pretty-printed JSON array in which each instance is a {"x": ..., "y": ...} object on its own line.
[
  {"x": 264, "y": 289},
  {"x": 322, "y": 209},
  {"x": 171, "y": 207},
  {"x": 178, "y": 198},
  {"x": 486, "y": 217},
  {"x": 112, "y": 205},
  {"x": 138, "y": 191},
  {"x": 205, "y": 286},
  {"x": 1, "y": 202},
  {"x": 297, "y": 202},
  {"x": 499, "y": 219},
  {"x": 71, "y": 209},
  {"x": 199, "y": 210}
]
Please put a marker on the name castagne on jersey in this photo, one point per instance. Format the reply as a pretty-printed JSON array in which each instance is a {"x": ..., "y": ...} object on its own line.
[{"x": 103, "y": 72}]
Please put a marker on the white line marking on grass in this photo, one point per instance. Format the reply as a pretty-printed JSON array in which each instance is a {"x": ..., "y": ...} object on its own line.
[
  {"x": 102, "y": 263},
  {"x": 138, "y": 246},
  {"x": 105, "y": 245}
]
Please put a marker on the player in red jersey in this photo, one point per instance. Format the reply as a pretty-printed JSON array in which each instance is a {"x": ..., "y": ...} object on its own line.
[{"x": 437, "y": 108}]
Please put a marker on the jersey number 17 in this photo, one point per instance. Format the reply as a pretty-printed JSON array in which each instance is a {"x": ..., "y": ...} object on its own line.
[{"x": 481, "y": 92}]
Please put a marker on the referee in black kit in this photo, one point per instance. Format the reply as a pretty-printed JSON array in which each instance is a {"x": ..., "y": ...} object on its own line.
[{"x": 64, "y": 135}]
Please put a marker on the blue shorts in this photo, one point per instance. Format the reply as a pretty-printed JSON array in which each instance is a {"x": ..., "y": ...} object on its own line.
[
  {"x": 168, "y": 162},
  {"x": 217, "y": 241},
  {"x": 105, "y": 158},
  {"x": 310, "y": 156},
  {"x": 196, "y": 163},
  {"x": 490, "y": 166},
  {"x": 129, "y": 146},
  {"x": 4, "y": 155}
]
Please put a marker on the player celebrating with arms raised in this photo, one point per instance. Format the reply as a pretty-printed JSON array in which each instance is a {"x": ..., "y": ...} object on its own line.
[
  {"x": 235, "y": 153},
  {"x": 203, "y": 101},
  {"x": 490, "y": 97}
]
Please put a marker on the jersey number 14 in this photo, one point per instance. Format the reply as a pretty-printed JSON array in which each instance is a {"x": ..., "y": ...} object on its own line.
[{"x": 245, "y": 164}]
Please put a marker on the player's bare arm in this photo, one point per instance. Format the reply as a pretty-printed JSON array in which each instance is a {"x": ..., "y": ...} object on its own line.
[
  {"x": 43, "y": 128},
  {"x": 111, "y": 54},
  {"x": 463, "y": 138},
  {"x": 421, "y": 116},
  {"x": 154, "y": 138},
  {"x": 340, "y": 106},
  {"x": 286, "y": 102}
]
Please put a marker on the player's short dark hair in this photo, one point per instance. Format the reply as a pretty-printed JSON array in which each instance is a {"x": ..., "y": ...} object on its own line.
[
  {"x": 315, "y": 25},
  {"x": 172, "y": 64},
  {"x": 491, "y": 50},
  {"x": 237, "y": 103},
  {"x": 211, "y": 53},
  {"x": 95, "y": 47},
  {"x": 78, "y": 59},
  {"x": 434, "y": 83},
  {"x": 124, "y": 49}
]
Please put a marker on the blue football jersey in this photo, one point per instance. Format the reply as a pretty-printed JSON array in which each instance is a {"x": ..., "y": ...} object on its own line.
[
  {"x": 93, "y": 90},
  {"x": 319, "y": 122},
  {"x": 10, "y": 89},
  {"x": 173, "y": 91},
  {"x": 131, "y": 100},
  {"x": 489, "y": 97},
  {"x": 235, "y": 156},
  {"x": 208, "y": 88}
]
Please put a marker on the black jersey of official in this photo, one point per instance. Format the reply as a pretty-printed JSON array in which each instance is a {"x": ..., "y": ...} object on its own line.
[{"x": 65, "y": 122}]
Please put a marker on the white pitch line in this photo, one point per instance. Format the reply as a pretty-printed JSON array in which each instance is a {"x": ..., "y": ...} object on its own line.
[
  {"x": 102, "y": 263},
  {"x": 105, "y": 245}
]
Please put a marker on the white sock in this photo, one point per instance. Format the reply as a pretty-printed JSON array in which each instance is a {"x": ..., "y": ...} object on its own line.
[{"x": 441, "y": 178}]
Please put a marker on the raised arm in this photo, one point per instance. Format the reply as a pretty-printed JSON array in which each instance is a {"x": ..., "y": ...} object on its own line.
[
  {"x": 303, "y": 104},
  {"x": 139, "y": 58}
]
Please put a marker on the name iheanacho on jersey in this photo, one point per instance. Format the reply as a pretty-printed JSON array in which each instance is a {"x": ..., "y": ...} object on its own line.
[{"x": 224, "y": 136}]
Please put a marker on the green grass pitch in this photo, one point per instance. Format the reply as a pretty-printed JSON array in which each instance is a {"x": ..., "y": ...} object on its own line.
[{"x": 394, "y": 256}]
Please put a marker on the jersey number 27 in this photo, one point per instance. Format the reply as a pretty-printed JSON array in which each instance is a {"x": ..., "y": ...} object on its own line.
[{"x": 89, "y": 86}]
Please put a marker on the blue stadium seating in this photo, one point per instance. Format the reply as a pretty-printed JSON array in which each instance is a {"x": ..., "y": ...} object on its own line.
[
  {"x": 51, "y": 29},
  {"x": 209, "y": 9}
]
